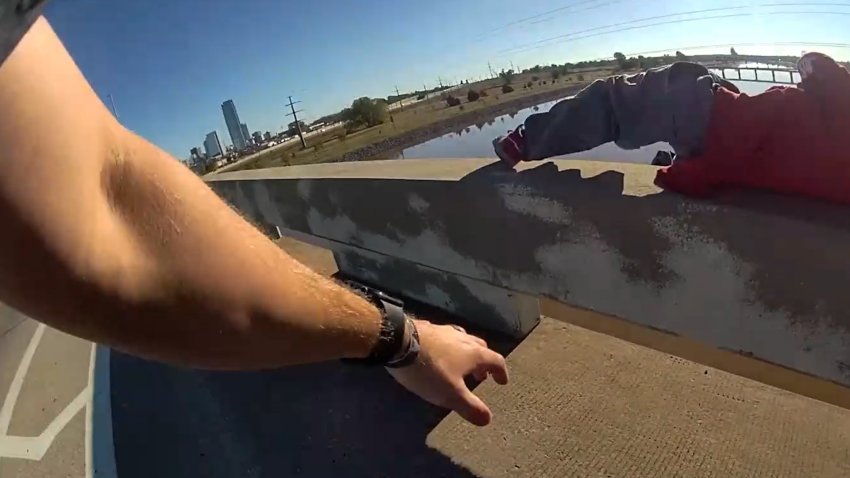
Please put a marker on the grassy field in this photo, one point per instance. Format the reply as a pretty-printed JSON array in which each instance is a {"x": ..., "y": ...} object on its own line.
[{"x": 331, "y": 145}]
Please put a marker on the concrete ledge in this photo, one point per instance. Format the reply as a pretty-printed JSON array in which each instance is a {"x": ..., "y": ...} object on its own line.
[
  {"x": 618, "y": 409},
  {"x": 759, "y": 274}
]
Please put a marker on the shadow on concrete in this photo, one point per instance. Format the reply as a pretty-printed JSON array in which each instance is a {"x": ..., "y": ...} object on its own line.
[
  {"x": 324, "y": 420},
  {"x": 771, "y": 233},
  {"x": 791, "y": 249}
]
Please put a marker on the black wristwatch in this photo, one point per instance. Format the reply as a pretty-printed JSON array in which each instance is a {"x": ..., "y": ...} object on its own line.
[{"x": 398, "y": 343}]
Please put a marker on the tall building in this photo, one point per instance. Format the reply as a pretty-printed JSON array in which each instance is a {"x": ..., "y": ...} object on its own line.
[
  {"x": 234, "y": 126},
  {"x": 212, "y": 145},
  {"x": 267, "y": 136},
  {"x": 195, "y": 154},
  {"x": 245, "y": 134},
  {"x": 257, "y": 137}
]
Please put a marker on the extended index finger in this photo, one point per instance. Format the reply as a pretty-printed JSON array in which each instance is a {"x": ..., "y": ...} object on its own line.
[{"x": 492, "y": 363}]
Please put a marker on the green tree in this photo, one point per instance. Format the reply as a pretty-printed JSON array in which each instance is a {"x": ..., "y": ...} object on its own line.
[
  {"x": 507, "y": 77},
  {"x": 365, "y": 112},
  {"x": 733, "y": 52},
  {"x": 621, "y": 60},
  {"x": 292, "y": 129},
  {"x": 681, "y": 56},
  {"x": 452, "y": 101}
]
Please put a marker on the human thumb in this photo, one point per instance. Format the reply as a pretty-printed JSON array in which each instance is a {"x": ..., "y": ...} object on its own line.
[{"x": 471, "y": 408}]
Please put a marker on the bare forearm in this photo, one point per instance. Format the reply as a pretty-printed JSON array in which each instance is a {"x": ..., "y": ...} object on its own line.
[
  {"x": 220, "y": 294},
  {"x": 108, "y": 238},
  {"x": 157, "y": 265}
]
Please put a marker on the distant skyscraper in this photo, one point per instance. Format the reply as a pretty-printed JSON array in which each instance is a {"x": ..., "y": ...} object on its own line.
[
  {"x": 234, "y": 126},
  {"x": 245, "y": 134},
  {"x": 212, "y": 145},
  {"x": 257, "y": 137},
  {"x": 267, "y": 136},
  {"x": 196, "y": 154}
]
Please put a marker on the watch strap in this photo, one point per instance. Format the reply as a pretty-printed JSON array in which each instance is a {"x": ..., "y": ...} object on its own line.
[
  {"x": 412, "y": 353},
  {"x": 391, "y": 337}
]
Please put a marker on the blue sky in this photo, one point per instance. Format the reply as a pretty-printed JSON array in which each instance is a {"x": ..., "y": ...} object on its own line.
[{"x": 170, "y": 64}]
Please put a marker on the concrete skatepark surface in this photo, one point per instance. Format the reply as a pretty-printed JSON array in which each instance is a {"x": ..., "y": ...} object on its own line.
[
  {"x": 44, "y": 384},
  {"x": 585, "y": 404}
]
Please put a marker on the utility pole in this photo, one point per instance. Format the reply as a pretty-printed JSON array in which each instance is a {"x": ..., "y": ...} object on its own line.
[
  {"x": 400, "y": 99},
  {"x": 490, "y": 67},
  {"x": 440, "y": 81},
  {"x": 112, "y": 105},
  {"x": 294, "y": 115},
  {"x": 513, "y": 67}
]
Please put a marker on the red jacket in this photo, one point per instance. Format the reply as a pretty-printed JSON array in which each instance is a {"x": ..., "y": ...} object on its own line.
[{"x": 786, "y": 140}]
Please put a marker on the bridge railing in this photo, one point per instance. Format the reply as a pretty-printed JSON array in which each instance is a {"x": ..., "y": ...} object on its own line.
[
  {"x": 766, "y": 74},
  {"x": 758, "y": 274}
]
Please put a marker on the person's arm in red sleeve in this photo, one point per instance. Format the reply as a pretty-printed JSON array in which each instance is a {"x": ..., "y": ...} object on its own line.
[{"x": 690, "y": 177}]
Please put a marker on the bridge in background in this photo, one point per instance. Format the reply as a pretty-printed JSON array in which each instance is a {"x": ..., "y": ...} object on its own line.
[{"x": 772, "y": 74}]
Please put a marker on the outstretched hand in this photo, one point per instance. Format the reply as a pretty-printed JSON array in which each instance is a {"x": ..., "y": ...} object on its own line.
[{"x": 447, "y": 355}]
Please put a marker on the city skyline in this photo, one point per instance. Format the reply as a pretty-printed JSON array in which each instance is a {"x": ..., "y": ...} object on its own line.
[
  {"x": 212, "y": 144},
  {"x": 168, "y": 65},
  {"x": 234, "y": 125},
  {"x": 246, "y": 135}
]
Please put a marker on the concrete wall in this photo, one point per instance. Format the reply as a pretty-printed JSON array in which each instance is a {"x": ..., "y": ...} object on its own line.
[{"x": 760, "y": 274}]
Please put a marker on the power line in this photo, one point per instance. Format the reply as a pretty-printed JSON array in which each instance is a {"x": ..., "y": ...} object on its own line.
[
  {"x": 533, "y": 17},
  {"x": 594, "y": 4},
  {"x": 592, "y": 7},
  {"x": 615, "y": 27},
  {"x": 669, "y": 15},
  {"x": 294, "y": 115}
]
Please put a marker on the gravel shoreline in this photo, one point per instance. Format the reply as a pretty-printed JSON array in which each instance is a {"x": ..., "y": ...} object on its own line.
[{"x": 427, "y": 133}]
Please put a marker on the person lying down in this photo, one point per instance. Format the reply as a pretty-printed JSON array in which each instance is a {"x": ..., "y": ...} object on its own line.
[{"x": 792, "y": 140}]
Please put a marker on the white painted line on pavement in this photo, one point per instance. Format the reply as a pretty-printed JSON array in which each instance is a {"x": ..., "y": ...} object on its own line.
[
  {"x": 100, "y": 448},
  {"x": 18, "y": 381},
  {"x": 34, "y": 448},
  {"x": 18, "y": 447}
]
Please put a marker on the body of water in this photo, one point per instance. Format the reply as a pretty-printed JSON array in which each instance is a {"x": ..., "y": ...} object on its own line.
[{"x": 475, "y": 141}]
